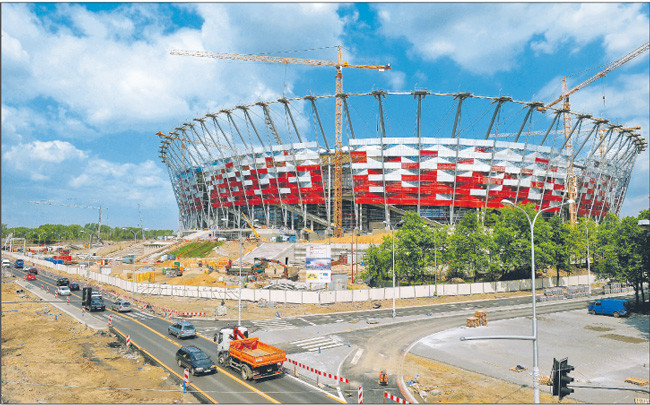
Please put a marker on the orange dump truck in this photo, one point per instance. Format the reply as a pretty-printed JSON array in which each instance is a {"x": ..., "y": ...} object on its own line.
[{"x": 254, "y": 359}]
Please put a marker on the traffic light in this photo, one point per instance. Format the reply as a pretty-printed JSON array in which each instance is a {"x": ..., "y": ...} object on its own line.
[{"x": 561, "y": 379}]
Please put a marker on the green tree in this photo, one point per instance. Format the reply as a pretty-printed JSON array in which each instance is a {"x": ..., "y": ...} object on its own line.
[
  {"x": 469, "y": 247},
  {"x": 559, "y": 246},
  {"x": 606, "y": 256},
  {"x": 414, "y": 248},
  {"x": 378, "y": 262}
]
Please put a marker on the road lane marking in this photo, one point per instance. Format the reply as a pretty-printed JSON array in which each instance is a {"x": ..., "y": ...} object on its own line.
[
  {"x": 356, "y": 357},
  {"x": 168, "y": 369},
  {"x": 319, "y": 389}
]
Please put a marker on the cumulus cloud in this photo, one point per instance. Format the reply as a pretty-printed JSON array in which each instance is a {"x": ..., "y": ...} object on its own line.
[
  {"x": 124, "y": 183},
  {"x": 488, "y": 38},
  {"x": 38, "y": 159}
]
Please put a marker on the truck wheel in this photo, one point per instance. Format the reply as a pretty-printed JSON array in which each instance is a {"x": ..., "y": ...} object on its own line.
[
  {"x": 593, "y": 312},
  {"x": 616, "y": 314},
  {"x": 245, "y": 372},
  {"x": 193, "y": 371},
  {"x": 222, "y": 360}
]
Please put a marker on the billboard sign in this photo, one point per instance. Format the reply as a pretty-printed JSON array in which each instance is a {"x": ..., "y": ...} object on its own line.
[{"x": 318, "y": 264}]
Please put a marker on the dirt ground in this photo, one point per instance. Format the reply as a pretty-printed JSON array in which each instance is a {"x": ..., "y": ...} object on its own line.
[
  {"x": 441, "y": 383},
  {"x": 66, "y": 363}
]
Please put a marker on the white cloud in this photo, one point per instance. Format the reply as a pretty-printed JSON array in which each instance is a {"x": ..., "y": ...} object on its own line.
[
  {"x": 90, "y": 69},
  {"x": 124, "y": 184},
  {"x": 38, "y": 159},
  {"x": 486, "y": 38}
]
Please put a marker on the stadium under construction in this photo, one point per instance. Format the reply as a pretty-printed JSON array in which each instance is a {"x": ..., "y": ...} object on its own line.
[{"x": 271, "y": 164}]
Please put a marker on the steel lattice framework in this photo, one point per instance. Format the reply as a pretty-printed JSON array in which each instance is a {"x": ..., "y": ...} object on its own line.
[{"x": 438, "y": 154}]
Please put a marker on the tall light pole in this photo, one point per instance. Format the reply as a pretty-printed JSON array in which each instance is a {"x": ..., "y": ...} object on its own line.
[
  {"x": 135, "y": 238},
  {"x": 393, "y": 237},
  {"x": 588, "y": 265},
  {"x": 532, "y": 279}
]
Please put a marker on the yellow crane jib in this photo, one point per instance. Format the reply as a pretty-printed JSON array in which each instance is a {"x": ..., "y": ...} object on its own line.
[{"x": 338, "y": 64}]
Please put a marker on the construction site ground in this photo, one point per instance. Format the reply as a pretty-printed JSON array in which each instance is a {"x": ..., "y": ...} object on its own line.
[{"x": 60, "y": 361}]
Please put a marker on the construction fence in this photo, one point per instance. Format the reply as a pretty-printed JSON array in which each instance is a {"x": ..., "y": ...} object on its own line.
[{"x": 316, "y": 297}]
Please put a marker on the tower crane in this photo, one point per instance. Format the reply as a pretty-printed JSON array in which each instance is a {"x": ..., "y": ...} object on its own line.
[
  {"x": 571, "y": 183},
  {"x": 99, "y": 239},
  {"x": 339, "y": 64}
]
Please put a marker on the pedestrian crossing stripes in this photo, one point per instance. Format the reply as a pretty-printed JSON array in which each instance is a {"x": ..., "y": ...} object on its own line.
[
  {"x": 321, "y": 342},
  {"x": 272, "y": 324}
]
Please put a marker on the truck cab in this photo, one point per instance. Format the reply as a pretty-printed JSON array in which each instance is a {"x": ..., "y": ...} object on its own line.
[
  {"x": 254, "y": 359},
  {"x": 610, "y": 306}
]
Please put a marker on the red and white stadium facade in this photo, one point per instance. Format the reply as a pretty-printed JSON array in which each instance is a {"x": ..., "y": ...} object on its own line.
[{"x": 273, "y": 162}]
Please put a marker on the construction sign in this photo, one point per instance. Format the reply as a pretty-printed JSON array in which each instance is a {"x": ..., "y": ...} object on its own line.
[{"x": 318, "y": 264}]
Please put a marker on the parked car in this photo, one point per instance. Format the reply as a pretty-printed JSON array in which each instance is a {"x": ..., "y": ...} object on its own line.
[
  {"x": 30, "y": 276},
  {"x": 62, "y": 281},
  {"x": 182, "y": 330},
  {"x": 19, "y": 264},
  {"x": 74, "y": 286},
  {"x": 121, "y": 306},
  {"x": 610, "y": 306},
  {"x": 63, "y": 290},
  {"x": 195, "y": 359}
]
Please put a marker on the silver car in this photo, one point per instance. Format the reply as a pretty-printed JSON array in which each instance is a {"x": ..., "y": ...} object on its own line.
[
  {"x": 121, "y": 306},
  {"x": 63, "y": 290},
  {"x": 182, "y": 330}
]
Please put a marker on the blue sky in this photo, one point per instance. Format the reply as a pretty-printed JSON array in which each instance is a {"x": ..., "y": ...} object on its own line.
[{"x": 85, "y": 86}]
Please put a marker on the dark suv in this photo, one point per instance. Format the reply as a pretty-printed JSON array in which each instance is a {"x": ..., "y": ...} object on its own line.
[
  {"x": 62, "y": 281},
  {"x": 193, "y": 358},
  {"x": 97, "y": 304}
]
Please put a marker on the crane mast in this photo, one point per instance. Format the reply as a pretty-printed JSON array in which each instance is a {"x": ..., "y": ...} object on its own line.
[
  {"x": 339, "y": 64},
  {"x": 566, "y": 106}
]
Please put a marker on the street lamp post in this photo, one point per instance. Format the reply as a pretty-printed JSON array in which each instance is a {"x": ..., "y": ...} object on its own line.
[
  {"x": 393, "y": 238},
  {"x": 588, "y": 265},
  {"x": 532, "y": 278},
  {"x": 135, "y": 238}
]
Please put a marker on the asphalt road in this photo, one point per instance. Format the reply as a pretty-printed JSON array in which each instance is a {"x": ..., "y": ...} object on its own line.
[
  {"x": 355, "y": 345},
  {"x": 226, "y": 386}
]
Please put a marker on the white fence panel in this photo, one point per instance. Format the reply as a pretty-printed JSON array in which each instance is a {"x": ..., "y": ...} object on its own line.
[
  {"x": 583, "y": 280},
  {"x": 490, "y": 287},
  {"x": 421, "y": 291},
  {"x": 524, "y": 285},
  {"x": 343, "y": 295},
  {"x": 294, "y": 297},
  {"x": 360, "y": 295},
  {"x": 262, "y": 295},
  {"x": 377, "y": 293},
  {"x": 310, "y": 297},
  {"x": 500, "y": 286},
  {"x": 277, "y": 296},
  {"x": 512, "y": 285},
  {"x": 450, "y": 289},
  {"x": 476, "y": 288},
  {"x": 327, "y": 297},
  {"x": 246, "y": 294},
  {"x": 406, "y": 292},
  {"x": 464, "y": 289}
]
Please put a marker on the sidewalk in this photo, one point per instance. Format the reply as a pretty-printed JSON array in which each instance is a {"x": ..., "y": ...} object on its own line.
[{"x": 74, "y": 310}]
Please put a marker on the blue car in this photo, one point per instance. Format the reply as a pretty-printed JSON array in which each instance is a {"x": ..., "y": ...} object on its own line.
[
  {"x": 19, "y": 264},
  {"x": 610, "y": 306},
  {"x": 182, "y": 330}
]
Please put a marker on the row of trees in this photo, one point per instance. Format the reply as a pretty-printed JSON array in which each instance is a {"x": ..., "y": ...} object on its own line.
[
  {"x": 495, "y": 245},
  {"x": 50, "y": 234}
]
